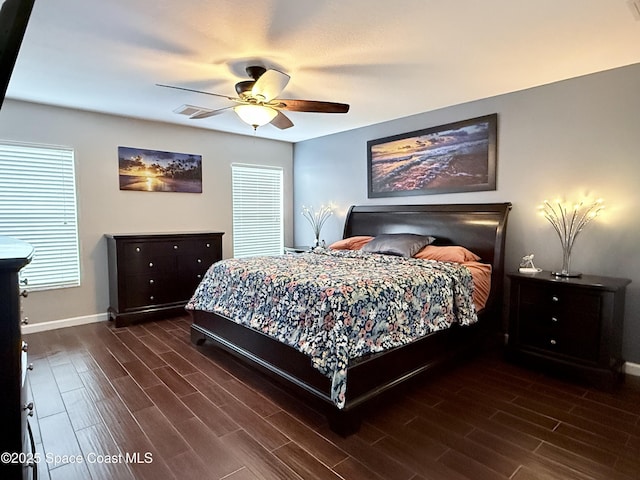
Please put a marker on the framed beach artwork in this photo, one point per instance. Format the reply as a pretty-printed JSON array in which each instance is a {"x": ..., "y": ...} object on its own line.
[
  {"x": 157, "y": 171},
  {"x": 457, "y": 157}
]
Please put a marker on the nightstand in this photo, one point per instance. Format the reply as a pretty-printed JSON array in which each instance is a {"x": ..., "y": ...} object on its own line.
[{"x": 571, "y": 326}]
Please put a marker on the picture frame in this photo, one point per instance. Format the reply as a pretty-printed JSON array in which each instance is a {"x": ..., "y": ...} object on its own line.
[
  {"x": 158, "y": 171},
  {"x": 452, "y": 158}
]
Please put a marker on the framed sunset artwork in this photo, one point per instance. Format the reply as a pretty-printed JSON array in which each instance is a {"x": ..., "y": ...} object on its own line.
[
  {"x": 158, "y": 171},
  {"x": 457, "y": 157}
]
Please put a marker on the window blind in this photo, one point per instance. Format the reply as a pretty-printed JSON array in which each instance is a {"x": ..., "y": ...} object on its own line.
[
  {"x": 257, "y": 210},
  {"x": 38, "y": 206}
]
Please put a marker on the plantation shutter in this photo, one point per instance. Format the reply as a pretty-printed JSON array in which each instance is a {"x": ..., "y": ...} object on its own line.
[
  {"x": 38, "y": 206},
  {"x": 257, "y": 210}
]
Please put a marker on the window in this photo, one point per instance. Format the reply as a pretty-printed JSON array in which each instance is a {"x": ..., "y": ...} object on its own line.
[
  {"x": 38, "y": 205},
  {"x": 257, "y": 210}
]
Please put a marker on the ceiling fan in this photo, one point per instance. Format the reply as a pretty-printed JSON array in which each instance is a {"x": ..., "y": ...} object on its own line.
[{"x": 256, "y": 103}]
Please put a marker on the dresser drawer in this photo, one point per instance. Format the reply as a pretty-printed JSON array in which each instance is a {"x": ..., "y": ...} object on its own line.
[
  {"x": 154, "y": 248},
  {"x": 139, "y": 258},
  {"x": 194, "y": 265},
  {"x": 170, "y": 246},
  {"x": 150, "y": 265},
  {"x": 205, "y": 247},
  {"x": 165, "y": 255},
  {"x": 195, "y": 260},
  {"x": 141, "y": 290}
]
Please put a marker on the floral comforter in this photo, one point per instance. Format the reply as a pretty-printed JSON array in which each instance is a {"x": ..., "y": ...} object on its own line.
[{"x": 338, "y": 305}]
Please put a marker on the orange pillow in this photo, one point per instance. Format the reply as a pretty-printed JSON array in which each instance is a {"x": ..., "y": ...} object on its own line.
[
  {"x": 447, "y": 253},
  {"x": 351, "y": 243}
]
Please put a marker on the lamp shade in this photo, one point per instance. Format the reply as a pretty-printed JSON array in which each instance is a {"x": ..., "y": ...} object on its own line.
[{"x": 255, "y": 115}]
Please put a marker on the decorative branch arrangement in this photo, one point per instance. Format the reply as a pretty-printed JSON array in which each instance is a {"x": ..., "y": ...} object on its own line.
[
  {"x": 317, "y": 219},
  {"x": 568, "y": 222}
]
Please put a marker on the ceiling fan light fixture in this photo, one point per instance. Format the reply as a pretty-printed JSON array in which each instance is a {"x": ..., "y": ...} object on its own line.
[
  {"x": 255, "y": 115},
  {"x": 258, "y": 101}
]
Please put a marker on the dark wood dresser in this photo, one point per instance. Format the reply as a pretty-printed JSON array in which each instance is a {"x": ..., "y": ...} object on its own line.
[
  {"x": 16, "y": 442},
  {"x": 154, "y": 275},
  {"x": 571, "y": 326}
]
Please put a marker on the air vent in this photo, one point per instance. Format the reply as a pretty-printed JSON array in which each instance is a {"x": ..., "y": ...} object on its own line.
[{"x": 190, "y": 110}]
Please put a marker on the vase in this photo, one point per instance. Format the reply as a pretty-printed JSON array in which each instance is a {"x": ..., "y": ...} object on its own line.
[{"x": 566, "y": 263}]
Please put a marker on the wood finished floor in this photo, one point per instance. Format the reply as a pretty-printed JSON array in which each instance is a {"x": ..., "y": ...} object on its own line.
[{"x": 202, "y": 415}]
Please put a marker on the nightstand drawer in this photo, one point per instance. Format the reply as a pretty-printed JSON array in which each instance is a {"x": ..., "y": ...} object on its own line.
[
  {"x": 559, "y": 336},
  {"x": 560, "y": 299}
]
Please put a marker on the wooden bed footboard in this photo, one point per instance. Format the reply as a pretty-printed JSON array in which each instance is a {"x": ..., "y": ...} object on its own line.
[{"x": 369, "y": 378}]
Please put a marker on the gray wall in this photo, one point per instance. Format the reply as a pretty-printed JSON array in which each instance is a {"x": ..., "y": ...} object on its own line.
[
  {"x": 569, "y": 139},
  {"x": 103, "y": 208}
]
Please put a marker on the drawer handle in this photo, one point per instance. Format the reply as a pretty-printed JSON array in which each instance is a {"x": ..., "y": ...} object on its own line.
[
  {"x": 553, "y": 342},
  {"x": 150, "y": 264},
  {"x": 151, "y": 282},
  {"x": 208, "y": 245},
  {"x": 554, "y": 319},
  {"x": 24, "y": 293},
  {"x": 555, "y": 299},
  {"x": 199, "y": 276},
  {"x": 24, "y": 281},
  {"x": 25, "y": 321},
  {"x": 151, "y": 297},
  {"x": 30, "y": 367},
  {"x": 25, "y": 346},
  {"x": 199, "y": 261},
  {"x": 175, "y": 247},
  {"x": 137, "y": 249},
  {"x": 28, "y": 406}
]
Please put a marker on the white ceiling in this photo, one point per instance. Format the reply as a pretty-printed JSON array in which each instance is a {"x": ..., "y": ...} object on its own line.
[{"x": 387, "y": 59}]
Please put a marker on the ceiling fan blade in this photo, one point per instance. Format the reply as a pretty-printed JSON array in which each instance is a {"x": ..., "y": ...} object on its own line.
[
  {"x": 281, "y": 121},
  {"x": 311, "y": 106},
  {"x": 270, "y": 84},
  {"x": 197, "y": 91}
]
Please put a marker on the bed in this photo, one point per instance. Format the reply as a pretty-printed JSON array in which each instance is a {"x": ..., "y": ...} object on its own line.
[{"x": 480, "y": 228}]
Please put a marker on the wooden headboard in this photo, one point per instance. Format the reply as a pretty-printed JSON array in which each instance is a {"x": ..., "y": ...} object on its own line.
[{"x": 479, "y": 227}]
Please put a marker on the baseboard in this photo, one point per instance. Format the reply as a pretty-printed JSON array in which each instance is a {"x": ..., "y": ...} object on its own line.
[
  {"x": 65, "y": 322},
  {"x": 632, "y": 369}
]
